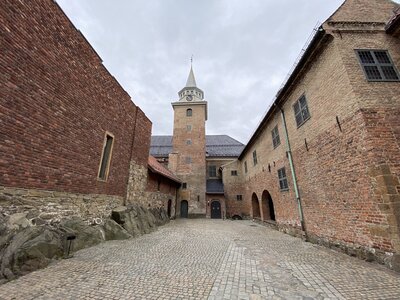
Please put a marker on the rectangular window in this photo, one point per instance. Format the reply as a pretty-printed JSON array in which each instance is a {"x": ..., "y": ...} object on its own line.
[
  {"x": 301, "y": 112},
  {"x": 106, "y": 157},
  {"x": 254, "y": 157},
  {"x": 377, "y": 65},
  {"x": 184, "y": 186},
  {"x": 188, "y": 159},
  {"x": 188, "y": 127},
  {"x": 234, "y": 173},
  {"x": 283, "y": 184},
  {"x": 212, "y": 171},
  {"x": 276, "y": 141},
  {"x": 239, "y": 197},
  {"x": 245, "y": 166},
  {"x": 188, "y": 142}
]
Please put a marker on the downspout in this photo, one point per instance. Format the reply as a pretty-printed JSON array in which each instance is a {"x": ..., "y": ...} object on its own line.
[{"x": 296, "y": 188}]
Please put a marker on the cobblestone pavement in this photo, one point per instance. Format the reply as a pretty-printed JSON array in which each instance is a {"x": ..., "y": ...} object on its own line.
[{"x": 208, "y": 259}]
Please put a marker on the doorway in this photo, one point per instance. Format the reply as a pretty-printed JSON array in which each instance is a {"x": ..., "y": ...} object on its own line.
[
  {"x": 215, "y": 210},
  {"x": 184, "y": 209},
  {"x": 268, "y": 206},
  {"x": 169, "y": 208}
]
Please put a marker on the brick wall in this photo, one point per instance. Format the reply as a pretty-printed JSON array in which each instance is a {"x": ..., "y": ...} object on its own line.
[
  {"x": 57, "y": 102},
  {"x": 348, "y": 175}
]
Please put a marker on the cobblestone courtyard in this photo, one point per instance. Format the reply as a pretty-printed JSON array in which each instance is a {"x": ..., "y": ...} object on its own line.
[{"x": 207, "y": 259}]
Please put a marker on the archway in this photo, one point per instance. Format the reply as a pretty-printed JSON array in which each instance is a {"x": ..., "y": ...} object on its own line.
[
  {"x": 169, "y": 208},
  {"x": 255, "y": 206},
  {"x": 267, "y": 206},
  {"x": 184, "y": 209},
  {"x": 215, "y": 210}
]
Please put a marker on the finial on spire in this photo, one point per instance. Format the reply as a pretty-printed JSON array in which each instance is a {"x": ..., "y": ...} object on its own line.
[{"x": 191, "y": 60}]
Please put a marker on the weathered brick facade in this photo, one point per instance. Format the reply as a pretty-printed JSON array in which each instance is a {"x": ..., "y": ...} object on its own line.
[
  {"x": 346, "y": 156},
  {"x": 57, "y": 103}
]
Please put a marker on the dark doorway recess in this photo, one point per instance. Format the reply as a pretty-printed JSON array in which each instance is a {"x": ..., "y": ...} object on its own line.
[
  {"x": 169, "y": 208},
  {"x": 215, "y": 210},
  {"x": 268, "y": 207},
  {"x": 184, "y": 209},
  {"x": 255, "y": 206}
]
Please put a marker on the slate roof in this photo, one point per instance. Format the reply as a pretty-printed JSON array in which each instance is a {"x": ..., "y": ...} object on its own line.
[
  {"x": 216, "y": 146},
  {"x": 214, "y": 186},
  {"x": 158, "y": 168}
]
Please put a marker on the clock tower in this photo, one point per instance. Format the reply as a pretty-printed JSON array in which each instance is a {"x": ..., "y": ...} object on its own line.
[{"x": 188, "y": 157}]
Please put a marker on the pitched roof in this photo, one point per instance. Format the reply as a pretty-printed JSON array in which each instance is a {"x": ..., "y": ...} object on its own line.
[
  {"x": 214, "y": 186},
  {"x": 191, "y": 81},
  {"x": 158, "y": 168},
  {"x": 216, "y": 146}
]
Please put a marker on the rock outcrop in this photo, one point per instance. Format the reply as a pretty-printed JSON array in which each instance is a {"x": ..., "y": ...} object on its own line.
[{"x": 27, "y": 246}]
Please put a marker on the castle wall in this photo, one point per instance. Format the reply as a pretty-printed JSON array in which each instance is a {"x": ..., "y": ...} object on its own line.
[{"x": 57, "y": 103}]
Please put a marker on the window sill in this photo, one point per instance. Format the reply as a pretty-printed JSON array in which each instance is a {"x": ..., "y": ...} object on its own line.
[{"x": 284, "y": 190}]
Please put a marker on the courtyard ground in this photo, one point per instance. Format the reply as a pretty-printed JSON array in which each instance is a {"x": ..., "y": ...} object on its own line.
[{"x": 208, "y": 259}]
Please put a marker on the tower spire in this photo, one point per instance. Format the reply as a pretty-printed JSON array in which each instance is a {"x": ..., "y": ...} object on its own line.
[{"x": 191, "y": 81}]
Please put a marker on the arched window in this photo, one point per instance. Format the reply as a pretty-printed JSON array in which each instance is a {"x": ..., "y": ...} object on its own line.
[{"x": 189, "y": 112}]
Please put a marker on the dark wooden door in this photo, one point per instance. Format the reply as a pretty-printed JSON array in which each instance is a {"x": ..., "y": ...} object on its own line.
[
  {"x": 184, "y": 209},
  {"x": 215, "y": 210}
]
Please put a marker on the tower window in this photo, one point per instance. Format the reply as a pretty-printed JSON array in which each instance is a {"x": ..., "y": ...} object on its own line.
[
  {"x": 184, "y": 186},
  {"x": 188, "y": 142},
  {"x": 212, "y": 171},
  {"x": 189, "y": 112},
  {"x": 377, "y": 65},
  {"x": 188, "y": 160},
  {"x": 188, "y": 127},
  {"x": 106, "y": 157},
  {"x": 239, "y": 197}
]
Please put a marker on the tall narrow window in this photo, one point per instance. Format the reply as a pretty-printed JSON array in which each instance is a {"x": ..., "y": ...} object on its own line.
[
  {"x": 301, "y": 111},
  {"x": 245, "y": 166},
  {"x": 283, "y": 184},
  {"x": 106, "y": 157},
  {"x": 377, "y": 65},
  {"x": 189, "y": 112},
  {"x": 212, "y": 171},
  {"x": 184, "y": 186},
  {"x": 254, "y": 157},
  {"x": 276, "y": 141}
]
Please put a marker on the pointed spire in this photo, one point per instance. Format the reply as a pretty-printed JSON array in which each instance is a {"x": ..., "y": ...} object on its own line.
[{"x": 191, "y": 81}]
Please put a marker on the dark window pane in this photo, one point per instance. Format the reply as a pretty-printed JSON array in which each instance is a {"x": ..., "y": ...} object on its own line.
[
  {"x": 305, "y": 113},
  {"x": 382, "y": 57},
  {"x": 106, "y": 157},
  {"x": 389, "y": 73},
  {"x": 303, "y": 102},
  {"x": 372, "y": 72},
  {"x": 366, "y": 57}
]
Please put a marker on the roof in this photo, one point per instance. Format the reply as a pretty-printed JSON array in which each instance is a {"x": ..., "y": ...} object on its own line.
[
  {"x": 158, "y": 168},
  {"x": 214, "y": 186},
  {"x": 191, "y": 81},
  {"x": 394, "y": 23},
  {"x": 216, "y": 146}
]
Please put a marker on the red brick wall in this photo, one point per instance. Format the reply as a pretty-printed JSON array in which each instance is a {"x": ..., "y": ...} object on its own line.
[
  {"x": 167, "y": 186},
  {"x": 141, "y": 144},
  {"x": 56, "y": 102}
]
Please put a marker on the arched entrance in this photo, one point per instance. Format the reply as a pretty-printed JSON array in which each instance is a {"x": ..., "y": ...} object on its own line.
[
  {"x": 215, "y": 210},
  {"x": 255, "y": 206},
  {"x": 169, "y": 208},
  {"x": 184, "y": 209},
  {"x": 268, "y": 206}
]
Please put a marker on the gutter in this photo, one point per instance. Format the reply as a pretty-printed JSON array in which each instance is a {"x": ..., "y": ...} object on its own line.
[{"x": 292, "y": 169}]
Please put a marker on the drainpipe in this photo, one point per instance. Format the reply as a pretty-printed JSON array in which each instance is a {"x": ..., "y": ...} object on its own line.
[{"x": 296, "y": 188}]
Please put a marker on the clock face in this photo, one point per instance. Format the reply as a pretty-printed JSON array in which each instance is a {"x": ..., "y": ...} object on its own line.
[{"x": 189, "y": 98}]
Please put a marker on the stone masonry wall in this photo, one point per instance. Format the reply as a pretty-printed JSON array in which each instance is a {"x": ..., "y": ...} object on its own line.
[{"x": 49, "y": 207}]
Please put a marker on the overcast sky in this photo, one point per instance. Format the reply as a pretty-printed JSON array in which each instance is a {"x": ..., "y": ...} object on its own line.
[{"x": 243, "y": 50}]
